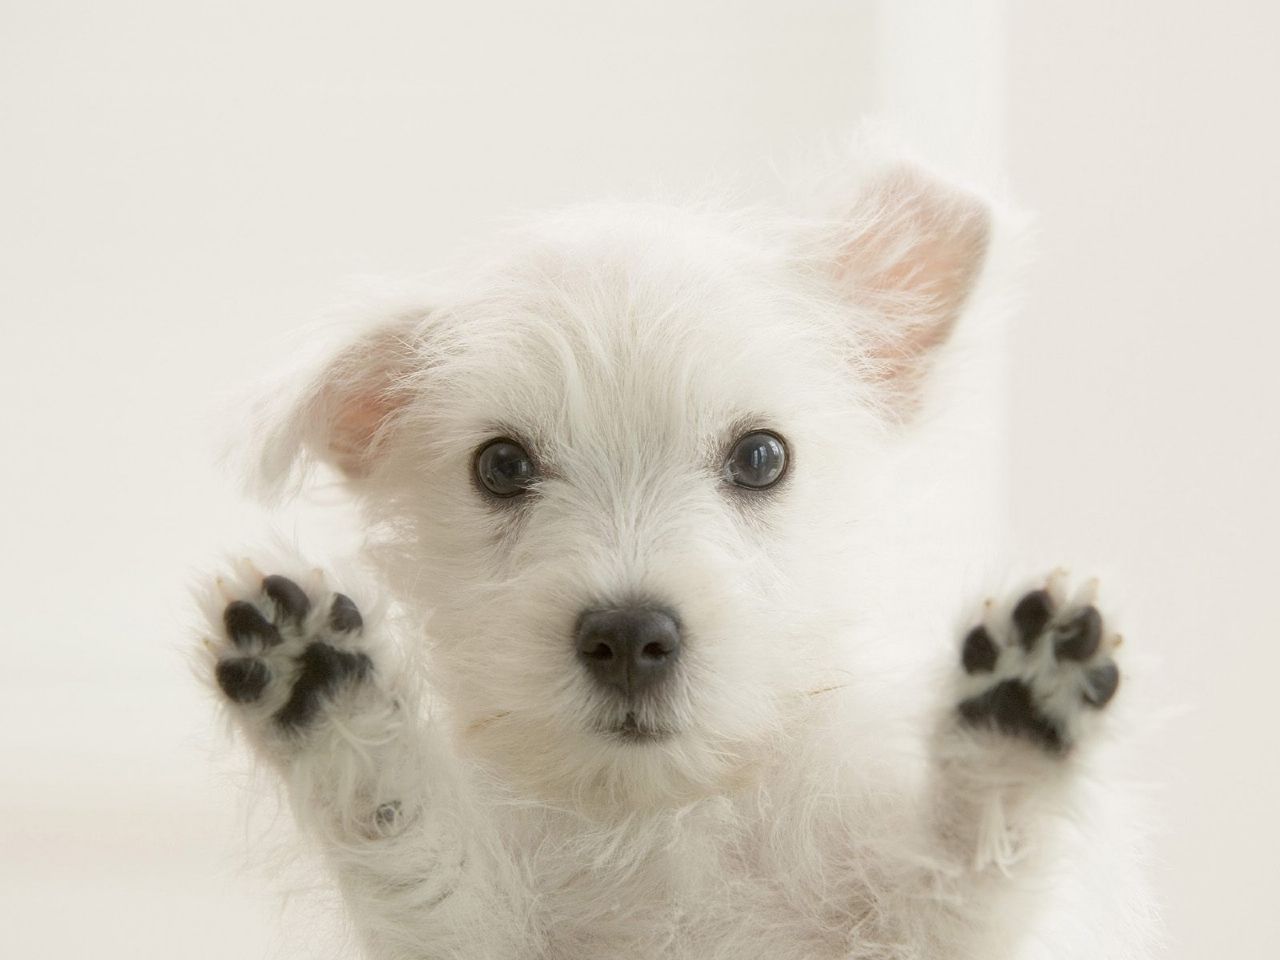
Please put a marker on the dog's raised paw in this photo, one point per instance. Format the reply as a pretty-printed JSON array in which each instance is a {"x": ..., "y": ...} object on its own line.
[
  {"x": 1039, "y": 671},
  {"x": 285, "y": 657}
]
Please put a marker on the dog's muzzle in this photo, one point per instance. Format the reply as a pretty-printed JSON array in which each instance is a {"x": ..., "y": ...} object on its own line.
[{"x": 631, "y": 649}]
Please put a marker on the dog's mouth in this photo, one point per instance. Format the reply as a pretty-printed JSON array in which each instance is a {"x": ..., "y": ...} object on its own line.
[{"x": 634, "y": 730}]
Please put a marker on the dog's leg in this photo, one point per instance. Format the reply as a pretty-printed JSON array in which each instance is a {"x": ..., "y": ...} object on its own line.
[
  {"x": 311, "y": 686},
  {"x": 1035, "y": 681}
]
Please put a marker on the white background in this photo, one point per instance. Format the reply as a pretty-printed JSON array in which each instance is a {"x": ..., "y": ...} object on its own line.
[{"x": 180, "y": 187}]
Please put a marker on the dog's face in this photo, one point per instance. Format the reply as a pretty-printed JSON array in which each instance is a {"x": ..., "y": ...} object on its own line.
[{"x": 623, "y": 467}]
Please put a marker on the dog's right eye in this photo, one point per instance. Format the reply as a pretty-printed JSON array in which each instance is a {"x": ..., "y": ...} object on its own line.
[
  {"x": 757, "y": 461},
  {"x": 504, "y": 468}
]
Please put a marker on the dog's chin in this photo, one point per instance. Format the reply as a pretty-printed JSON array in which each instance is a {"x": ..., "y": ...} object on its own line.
[{"x": 633, "y": 731}]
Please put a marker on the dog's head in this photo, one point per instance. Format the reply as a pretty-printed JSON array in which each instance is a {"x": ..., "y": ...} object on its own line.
[{"x": 623, "y": 464}]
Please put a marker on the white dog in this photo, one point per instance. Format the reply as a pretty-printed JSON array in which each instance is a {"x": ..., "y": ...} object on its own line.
[{"x": 638, "y": 474}]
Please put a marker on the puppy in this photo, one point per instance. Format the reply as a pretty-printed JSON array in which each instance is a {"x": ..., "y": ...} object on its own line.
[{"x": 642, "y": 674}]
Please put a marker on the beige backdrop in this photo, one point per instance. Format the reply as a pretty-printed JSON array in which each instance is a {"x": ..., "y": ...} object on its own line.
[{"x": 180, "y": 188}]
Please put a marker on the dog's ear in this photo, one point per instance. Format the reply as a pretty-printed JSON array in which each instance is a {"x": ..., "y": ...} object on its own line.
[
  {"x": 906, "y": 252},
  {"x": 348, "y": 405}
]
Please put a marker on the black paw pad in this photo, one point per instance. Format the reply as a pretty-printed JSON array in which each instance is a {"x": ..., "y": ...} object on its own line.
[
  {"x": 1010, "y": 708},
  {"x": 243, "y": 679},
  {"x": 1032, "y": 615},
  {"x": 1101, "y": 684},
  {"x": 322, "y": 671},
  {"x": 245, "y": 623},
  {"x": 980, "y": 651},
  {"x": 344, "y": 617},
  {"x": 291, "y": 602},
  {"x": 1079, "y": 637}
]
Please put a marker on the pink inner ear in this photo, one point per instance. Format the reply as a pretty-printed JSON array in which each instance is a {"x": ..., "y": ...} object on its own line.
[
  {"x": 355, "y": 426},
  {"x": 358, "y": 394},
  {"x": 916, "y": 252}
]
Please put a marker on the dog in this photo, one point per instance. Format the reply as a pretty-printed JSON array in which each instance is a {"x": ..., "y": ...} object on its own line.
[{"x": 635, "y": 674}]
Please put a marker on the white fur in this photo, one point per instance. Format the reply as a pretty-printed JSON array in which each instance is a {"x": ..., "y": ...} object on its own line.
[{"x": 819, "y": 799}]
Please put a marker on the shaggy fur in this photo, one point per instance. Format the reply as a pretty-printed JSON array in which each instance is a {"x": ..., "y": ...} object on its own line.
[{"x": 814, "y": 786}]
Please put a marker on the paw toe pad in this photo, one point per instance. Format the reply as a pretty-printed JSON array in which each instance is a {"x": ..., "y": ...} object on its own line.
[
  {"x": 1079, "y": 637},
  {"x": 1101, "y": 684},
  {"x": 344, "y": 617},
  {"x": 1032, "y": 615},
  {"x": 291, "y": 602},
  {"x": 245, "y": 623},
  {"x": 980, "y": 651},
  {"x": 243, "y": 679}
]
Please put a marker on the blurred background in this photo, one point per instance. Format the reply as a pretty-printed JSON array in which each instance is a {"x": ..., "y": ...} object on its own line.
[{"x": 181, "y": 185}]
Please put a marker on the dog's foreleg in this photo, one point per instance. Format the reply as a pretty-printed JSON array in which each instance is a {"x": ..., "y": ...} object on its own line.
[
  {"x": 1036, "y": 679},
  {"x": 311, "y": 687}
]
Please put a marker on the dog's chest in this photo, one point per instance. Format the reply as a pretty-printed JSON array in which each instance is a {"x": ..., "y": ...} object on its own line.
[{"x": 686, "y": 891}]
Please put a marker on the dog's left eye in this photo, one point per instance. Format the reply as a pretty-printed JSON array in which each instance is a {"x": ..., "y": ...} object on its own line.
[
  {"x": 758, "y": 460},
  {"x": 504, "y": 468}
]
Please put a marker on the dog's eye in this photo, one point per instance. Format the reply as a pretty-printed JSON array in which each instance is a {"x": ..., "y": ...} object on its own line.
[
  {"x": 504, "y": 468},
  {"x": 758, "y": 460}
]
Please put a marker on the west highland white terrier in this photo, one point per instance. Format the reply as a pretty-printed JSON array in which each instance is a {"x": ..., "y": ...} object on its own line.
[{"x": 640, "y": 679}]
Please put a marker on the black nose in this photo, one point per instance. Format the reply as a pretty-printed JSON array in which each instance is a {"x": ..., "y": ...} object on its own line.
[{"x": 628, "y": 648}]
